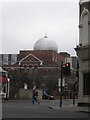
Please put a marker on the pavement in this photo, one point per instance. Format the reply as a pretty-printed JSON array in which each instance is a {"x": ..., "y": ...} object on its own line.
[{"x": 71, "y": 108}]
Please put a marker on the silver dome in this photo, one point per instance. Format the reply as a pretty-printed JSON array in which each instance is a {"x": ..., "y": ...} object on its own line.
[{"x": 45, "y": 44}]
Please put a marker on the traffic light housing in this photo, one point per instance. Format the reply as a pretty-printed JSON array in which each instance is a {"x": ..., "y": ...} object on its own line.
[
  {"x": 77, "y": 73},
  {"x": 77, "y": 70},
  {"x": 67, "y": 69}
]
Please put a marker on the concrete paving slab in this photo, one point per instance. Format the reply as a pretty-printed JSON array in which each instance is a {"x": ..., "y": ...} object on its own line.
[{"x": 71, "y": 108}]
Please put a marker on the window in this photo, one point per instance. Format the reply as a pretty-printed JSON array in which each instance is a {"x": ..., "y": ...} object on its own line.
[
  {"x": 86, "y": 83},
  {"x": 0, "y": 60},
  {"x": 25, "y": 68},
  {"x": 13, "y": 59},
  {"x": 5, "y": 59}
]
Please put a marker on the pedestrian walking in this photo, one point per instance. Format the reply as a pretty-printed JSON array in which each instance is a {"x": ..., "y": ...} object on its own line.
[{"x": 35, "y": 97}]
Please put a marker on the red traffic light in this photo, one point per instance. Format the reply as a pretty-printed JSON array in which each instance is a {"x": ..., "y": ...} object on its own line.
[{"x": 67, "y": 64}]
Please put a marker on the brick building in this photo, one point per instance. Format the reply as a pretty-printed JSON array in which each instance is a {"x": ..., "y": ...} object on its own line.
[{"x": 39, "y": 67}]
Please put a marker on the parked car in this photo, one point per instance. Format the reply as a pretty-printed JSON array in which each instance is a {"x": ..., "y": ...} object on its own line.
[{"x": 45, "y": 96}]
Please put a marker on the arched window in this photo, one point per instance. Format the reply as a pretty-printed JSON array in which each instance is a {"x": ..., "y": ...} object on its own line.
[{"x": 84, "y": 27}]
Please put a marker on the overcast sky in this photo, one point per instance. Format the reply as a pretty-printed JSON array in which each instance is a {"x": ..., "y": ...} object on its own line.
[{"x": 23, "y": 23}]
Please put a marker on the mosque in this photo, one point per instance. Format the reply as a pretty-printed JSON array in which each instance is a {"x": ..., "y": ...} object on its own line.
[{"x": 38, "y": 68}]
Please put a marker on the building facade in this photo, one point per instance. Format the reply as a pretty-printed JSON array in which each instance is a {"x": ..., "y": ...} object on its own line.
[{"x": 83, "y": 52}]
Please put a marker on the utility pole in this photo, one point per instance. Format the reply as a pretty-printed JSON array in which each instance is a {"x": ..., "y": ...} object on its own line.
[{"x": 61, "y": 83}]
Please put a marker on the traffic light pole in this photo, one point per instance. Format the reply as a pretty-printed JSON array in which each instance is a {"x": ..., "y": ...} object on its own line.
[
  {"x": 74, "y": 94},
  {"x": 61, "y": 83}
]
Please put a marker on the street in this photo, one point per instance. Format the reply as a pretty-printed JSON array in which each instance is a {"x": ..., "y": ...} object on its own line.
[{"x": 25, "y": 109}]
